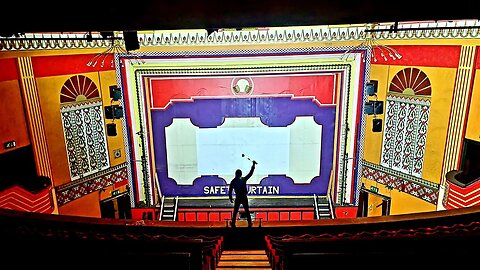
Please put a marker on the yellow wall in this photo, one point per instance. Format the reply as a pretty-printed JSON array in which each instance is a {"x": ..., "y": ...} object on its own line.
[
  {"x": 12, "y": 116},
  {"x": 442, "y": 82},
  {"x": 401, "y": 202},
  {"x": 49, "y": 96},
  {"x": 373, "y": 140},
  {"x": 473, "y": 126},
  {"x": 87, "y": 206},
  {"x": 107, "y": 79}
]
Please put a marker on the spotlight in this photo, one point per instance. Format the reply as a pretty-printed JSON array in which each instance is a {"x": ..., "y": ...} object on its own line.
[
  {"x": 115, "y": 92},
  {"x": 89, "y": 37},
  {"x": 371, "y": 87},
  {"x": 131, "y": 40},
  {"x": 113, "y": 112},
  {"x": 377, "y": 125},
  {"x": 111, "y": 129}
]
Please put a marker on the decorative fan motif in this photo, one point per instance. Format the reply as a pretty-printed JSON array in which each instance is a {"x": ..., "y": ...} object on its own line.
[
  {"x": 78, "y": 88},
  {"x": 411, "y": 81}
]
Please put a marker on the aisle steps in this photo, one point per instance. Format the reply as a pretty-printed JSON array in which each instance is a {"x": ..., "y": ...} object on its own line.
[{"x": 243, "y": 260}]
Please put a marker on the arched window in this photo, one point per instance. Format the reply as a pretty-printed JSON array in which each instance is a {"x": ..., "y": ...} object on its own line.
[
  {"x": 83, "y": 126},
  {"x": 406, "y": 121}
]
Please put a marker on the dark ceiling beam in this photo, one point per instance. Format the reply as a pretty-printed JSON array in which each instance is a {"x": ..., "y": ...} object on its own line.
[{"x": 90, "y": 15}]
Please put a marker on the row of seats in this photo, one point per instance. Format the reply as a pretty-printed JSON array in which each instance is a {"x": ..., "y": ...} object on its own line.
[
  {"x": 288, "y": 252},
  {"x": 212, "y": 248},
  {"x": 182, "y": 251},
  {"x": 41, "y": 241}
]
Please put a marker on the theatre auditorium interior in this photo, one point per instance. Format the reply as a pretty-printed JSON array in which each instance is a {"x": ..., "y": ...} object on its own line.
[{"x": 123, "y": 124}]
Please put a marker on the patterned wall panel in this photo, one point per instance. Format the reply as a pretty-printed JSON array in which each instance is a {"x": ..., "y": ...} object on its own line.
[
  {"x": 405, "y": 134},
  {"x": 72, "y": 191},
  {"x": 83, "y": 126},
  {"x": 417, "y": 187}
]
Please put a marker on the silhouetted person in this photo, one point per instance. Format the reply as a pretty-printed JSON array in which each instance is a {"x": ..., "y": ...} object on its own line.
[{"x": 239, "y": 184}]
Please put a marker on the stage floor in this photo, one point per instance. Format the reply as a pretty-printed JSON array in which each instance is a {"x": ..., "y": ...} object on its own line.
[{"x": 253, "y": 201}]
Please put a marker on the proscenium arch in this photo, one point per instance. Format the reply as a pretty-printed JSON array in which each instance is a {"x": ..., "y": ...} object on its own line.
[{"x": 350, "y": 75}]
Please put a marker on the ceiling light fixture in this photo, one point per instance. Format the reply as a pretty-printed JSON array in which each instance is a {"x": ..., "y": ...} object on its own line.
[
  {"x": 377, "y": 50},
  {"x": 115, "y": 48}
]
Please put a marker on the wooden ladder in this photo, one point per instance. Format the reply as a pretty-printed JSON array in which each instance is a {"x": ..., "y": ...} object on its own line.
[{"x": 243, "y": 259}]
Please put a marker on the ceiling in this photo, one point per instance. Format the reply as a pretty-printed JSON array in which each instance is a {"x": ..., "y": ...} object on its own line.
[{"x": 88, "y": 15}]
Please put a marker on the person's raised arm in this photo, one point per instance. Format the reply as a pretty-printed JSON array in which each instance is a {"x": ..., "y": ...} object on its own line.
[{"x": 250, "y": 173}]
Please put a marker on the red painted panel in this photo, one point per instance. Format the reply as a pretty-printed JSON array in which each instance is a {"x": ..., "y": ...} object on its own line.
[
  {"x": 296, "y": 216},
  {"x": 44, "y": 66},
  {"x": 8, "y": 66},
  {"x": 214, "y": 216},
  {"x": 225, "y": 215},
  {"x": 222, "y": 214},
  {"x": 190, "y": 217},
  {"x": 477, "y": 59},
  {"x": 423, "y": 55},
  {"x": 137, "y": 213},
  {"x": 320, "y": 86},
  {"x": 346, "y": 211},
  {"x": 273, "y": 216},
  {"x": 284, "y": 216},
  {"x": 121, "y": 183},
  {"x": 17, "y": 198},
  {"x": 465, "y": 190},
  {"x": 307, "y": 216},
  {"x": 459, "y": 197},
  {"x": 262, "y": 215},
  {"x": 202, "y": 216}
]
